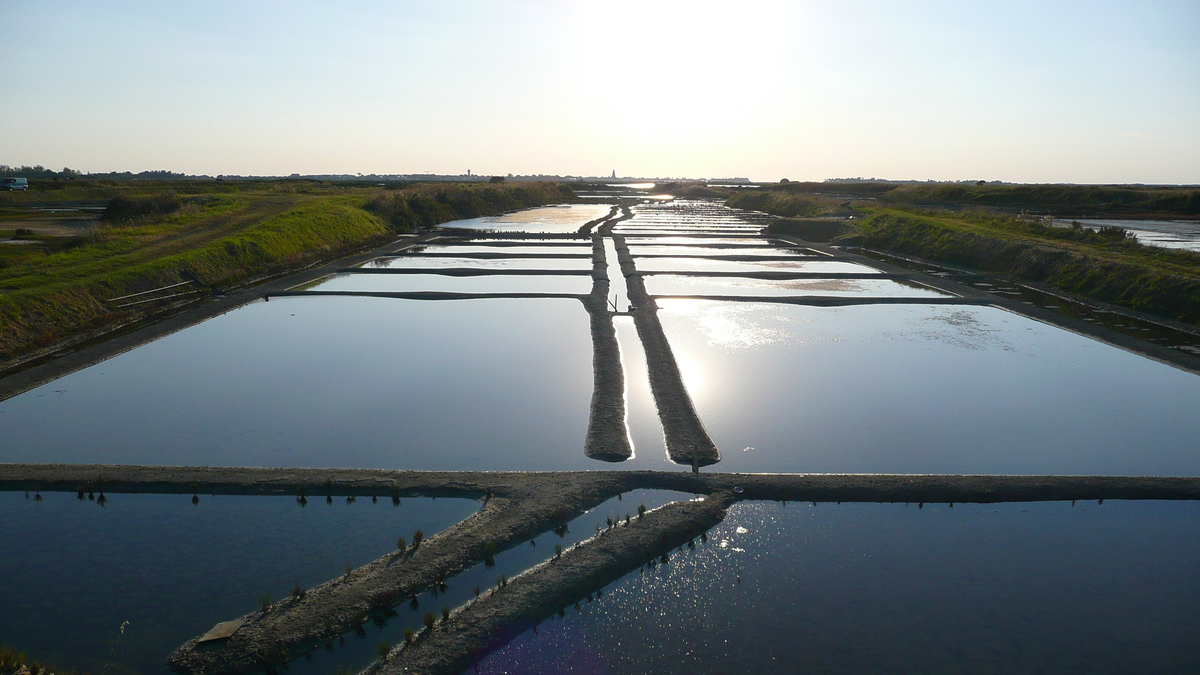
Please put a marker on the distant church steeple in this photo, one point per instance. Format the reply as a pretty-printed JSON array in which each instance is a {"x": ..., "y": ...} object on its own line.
[{"x": 614, "y": 173}]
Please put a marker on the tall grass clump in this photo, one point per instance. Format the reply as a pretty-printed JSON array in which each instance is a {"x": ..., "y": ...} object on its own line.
[
  {"x": 782, "y": 203},
  {"x": 124, "y": 209},
  {"x": 425, "y": 206}
]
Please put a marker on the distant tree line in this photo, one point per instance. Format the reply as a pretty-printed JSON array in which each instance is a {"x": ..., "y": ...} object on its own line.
[{"x": 39, "y": 172}]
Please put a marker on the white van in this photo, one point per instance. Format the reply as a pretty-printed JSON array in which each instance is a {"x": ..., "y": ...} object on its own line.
[{"x": 11, "y": 184}]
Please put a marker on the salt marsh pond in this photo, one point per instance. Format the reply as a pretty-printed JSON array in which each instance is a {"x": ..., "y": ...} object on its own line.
[{"x": 674, "y": 340}]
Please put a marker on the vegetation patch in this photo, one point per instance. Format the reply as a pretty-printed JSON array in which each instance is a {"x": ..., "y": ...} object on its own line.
[
  {"x": 208, "y": 237},
  {"x": 787, "y": 203},
  {"x": 1107, "y": 265},
  {"x": 426, "y": 206}
]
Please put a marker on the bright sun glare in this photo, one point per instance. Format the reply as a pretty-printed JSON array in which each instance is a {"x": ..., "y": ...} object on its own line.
[{"x": 701, "y": 44}]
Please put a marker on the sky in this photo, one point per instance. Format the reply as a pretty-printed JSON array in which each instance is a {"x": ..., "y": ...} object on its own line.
[{"x": 1024, "y": 91}]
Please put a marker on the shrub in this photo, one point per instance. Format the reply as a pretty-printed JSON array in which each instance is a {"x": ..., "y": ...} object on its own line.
[
  {"x": 429, "y": 620},
  {"x": 125, "y": 209}
]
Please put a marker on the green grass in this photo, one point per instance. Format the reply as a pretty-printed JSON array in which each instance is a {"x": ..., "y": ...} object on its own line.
[
  {"x": 1105, "y": 267},
  {"x": 978, "y": 226},
  {"x": 219, "y": 235},
  {"x": 1060, "y": 200},
  {"x": 783, "y": 203}
]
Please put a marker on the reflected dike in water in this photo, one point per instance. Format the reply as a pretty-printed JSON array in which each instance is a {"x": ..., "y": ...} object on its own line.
[
  {"x": 678, "y": 339},
  {"x": 885, "y": 588}
]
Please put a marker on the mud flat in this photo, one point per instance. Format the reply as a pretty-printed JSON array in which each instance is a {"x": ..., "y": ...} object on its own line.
[
  {"x": 607, "y": 437},
  {"x": 686, "y": 439},
  {"x": 938, "y": 488},
  {"x": 481, "y": 626},
  {"x": 297, "y": 625},
  {"x": 517, "y": 507}
]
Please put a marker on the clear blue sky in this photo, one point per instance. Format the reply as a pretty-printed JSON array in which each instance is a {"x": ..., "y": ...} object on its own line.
[{"x": 1040, "y": 91}]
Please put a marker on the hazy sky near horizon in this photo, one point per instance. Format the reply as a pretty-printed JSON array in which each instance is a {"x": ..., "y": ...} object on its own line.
[{"x": 1046, "y": 91}]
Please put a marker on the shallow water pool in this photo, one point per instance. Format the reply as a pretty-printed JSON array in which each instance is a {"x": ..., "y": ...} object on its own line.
[
  {"x": 579, "y": 284},
  {"x": 75, "y": 572},
  {"x": 330, "y": 382},
  {"x": 564, "y": 218},
  {"x": 925, "y": 389},
  {"x": 885, "y": 588},
  {"x": 667, "y": 284}
]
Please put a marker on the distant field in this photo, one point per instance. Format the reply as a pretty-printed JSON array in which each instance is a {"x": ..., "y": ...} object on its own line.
[
  {"x": 993, "y": 228},
  {"x": 59, "y": 280}
]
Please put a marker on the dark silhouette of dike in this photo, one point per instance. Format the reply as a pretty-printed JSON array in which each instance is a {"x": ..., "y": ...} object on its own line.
[
  {"x": 469, "y": 634},
  {"x": 607, "y": 436},
  {"x": 517, "y": 507},
  {"x": 586, "y": 228},
  {"x": 686, "y": 439}
]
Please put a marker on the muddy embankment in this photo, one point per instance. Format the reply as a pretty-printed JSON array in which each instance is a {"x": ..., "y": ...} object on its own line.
[
  {"x": 607, "y": 435},
  {"x": 687, "y": 440},
  {"x": 300, "y": 624},
  {"x": 935, "y": 488},
  {"x": 517, "y": 508},
  {"x": 481, "y": 626}
]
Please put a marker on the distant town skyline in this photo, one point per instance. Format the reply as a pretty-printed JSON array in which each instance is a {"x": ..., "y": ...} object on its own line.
[{"x": 1022, "y": 91}]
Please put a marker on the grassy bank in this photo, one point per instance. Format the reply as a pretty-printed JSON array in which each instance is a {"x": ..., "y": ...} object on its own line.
[
  {"x": 159, "y": 235},
  {"x": 1113, "y": 201},
  {"x": 787, "y": 203},
  {"x": 1106, "y": 266},
  {"x": 982, "y": 227}
]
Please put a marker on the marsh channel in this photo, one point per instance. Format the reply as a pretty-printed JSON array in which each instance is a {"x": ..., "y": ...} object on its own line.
[{"x": 844, "y": 464}]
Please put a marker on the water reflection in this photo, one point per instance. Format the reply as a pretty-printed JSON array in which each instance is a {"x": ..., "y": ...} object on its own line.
[
  {"x": 174, "y": 570},
  {"x": 429, "y": 262},
  {"x": 564, "y": 218},
  {"x": 870, "y": 588},
  {"x": 318, "y": 382},
  {"x": 923, "y": 389},
  {"x": 665, "y": 284},
  {"x": 782, "y": 265},
  {"x": 574, "y": 284}
]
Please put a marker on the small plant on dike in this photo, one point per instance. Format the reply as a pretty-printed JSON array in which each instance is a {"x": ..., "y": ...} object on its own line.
[
  {"x": 264, "y": 602},
  {"x": 557, "y": 550},
  {"x": 408, "y": 636},
  {"x": 429, "y": 620},
  {"x": 477, "y": 591},
  {"x": 298, "y": 593},
  {"x": 349, "y": 569},
  {"x": 417, "y": 537},
  {"x": 383, "y": 649},
  {"x": 641, "y": 511},
  {"x": 401, "y": 545},
  {"x": 445, "y": 614}
]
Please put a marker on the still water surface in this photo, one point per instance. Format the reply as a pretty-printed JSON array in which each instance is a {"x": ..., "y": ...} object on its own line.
[
  {"x": 330, "y": 382},
  {"x": 563, "y": 218},
  {"x": 925, "y": 389},
  {"x": 885, "y": 588},
  {"x": 174, "y": 570},
  {"x": 1180, "y": 234},
  {"x": 667, "y": 284},
  {"x": 427, "y": 262},
  {"x": 508, "y": 283}
]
